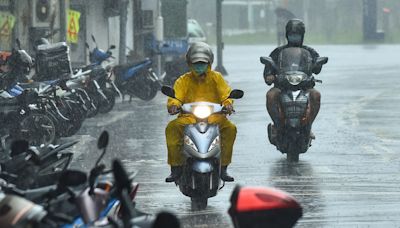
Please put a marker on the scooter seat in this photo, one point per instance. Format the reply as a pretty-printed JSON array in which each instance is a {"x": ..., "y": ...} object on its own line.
[
  {"x": 34, "y": 85},
  {"x": 120, "y": 69}
]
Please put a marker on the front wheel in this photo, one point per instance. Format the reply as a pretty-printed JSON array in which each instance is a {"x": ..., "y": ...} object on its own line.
[
  {"x": 292, "y": 155},
  {"x": 38, "y": 129},
  {"x": 199, "y": 203}
]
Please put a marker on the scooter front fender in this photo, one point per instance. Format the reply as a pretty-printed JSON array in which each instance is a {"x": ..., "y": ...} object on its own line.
[{"x": 202, "y": 167}]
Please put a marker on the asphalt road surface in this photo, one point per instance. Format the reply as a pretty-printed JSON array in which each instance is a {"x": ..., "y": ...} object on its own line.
[{"x": 348, "y": 178}]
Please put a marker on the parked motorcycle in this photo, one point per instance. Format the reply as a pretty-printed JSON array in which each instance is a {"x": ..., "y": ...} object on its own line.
[
  {"x": 200, "y": 178},
  {"x": 25, "y": 117},
  {"x": 137, "y": 79},
  {"x": 65, "y": 107},
  {"x": 34, "y": 167},
  {"x": 41, "y": 207},
  {"x": 294, "y": 77},
  {"x": 75, "y": 200},
  {"x": 24, "y": 112},
  {"x": 102, "y": 89}
]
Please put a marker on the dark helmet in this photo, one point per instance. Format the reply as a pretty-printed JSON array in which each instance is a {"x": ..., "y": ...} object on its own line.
[{"x": 295, "y": 30}]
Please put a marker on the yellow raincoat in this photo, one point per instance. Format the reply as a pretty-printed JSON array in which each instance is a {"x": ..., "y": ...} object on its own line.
[{"x": 191, "y": 88}]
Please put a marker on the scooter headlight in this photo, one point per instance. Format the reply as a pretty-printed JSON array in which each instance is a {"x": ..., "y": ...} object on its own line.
[
  {"x": 202, "y": 112},
  {"x": 295, "y": 79},
  {"x": 214, "y": 144},
  {"x": 189, "y": 143}
]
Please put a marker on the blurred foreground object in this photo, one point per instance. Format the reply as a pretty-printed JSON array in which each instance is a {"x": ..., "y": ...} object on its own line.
[{"x": 253, "y": 207}]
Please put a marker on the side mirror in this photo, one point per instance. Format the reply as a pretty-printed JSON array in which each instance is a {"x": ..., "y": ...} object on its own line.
[
  {"x": 168, "y": 91},
  {"x": 236, "y": 94},
  {"x": 268, "y": 62},
  {"x": 18, "y": 42},
  {"x": 72, "y": 178},
  {"x": 321, "y": 61},
  {"x": 102, "y": 145},
  {"x": 94, "y": 40},
  {"x": 103, "y": 140},
  {"x": 112, "y": 47},
  {"x": 166, "y": 219}
]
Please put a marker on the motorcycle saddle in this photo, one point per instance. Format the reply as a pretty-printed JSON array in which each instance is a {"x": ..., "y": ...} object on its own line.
[{"x": 120, "y": 69}]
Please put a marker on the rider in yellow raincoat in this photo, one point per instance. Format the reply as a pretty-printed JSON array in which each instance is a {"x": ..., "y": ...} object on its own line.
[{"x": 200, "y": 84}]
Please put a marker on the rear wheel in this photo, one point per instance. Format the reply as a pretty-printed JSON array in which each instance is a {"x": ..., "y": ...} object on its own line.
[
  {"x": 107, "y": 105},
  {"x": 93, "y": 106},
  {"x": 148, "y": 91},
  {"x": 76, "y": 118}
]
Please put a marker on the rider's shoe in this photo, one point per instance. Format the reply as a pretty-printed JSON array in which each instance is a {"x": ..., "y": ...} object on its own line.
[
  {"x": 225, "y": 176},
  {"x": 312, "y": 136},
  {"x": 176, "y": 172}
]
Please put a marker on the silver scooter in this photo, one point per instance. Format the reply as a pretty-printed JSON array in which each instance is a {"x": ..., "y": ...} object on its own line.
[{"x": 200, "y": 178}]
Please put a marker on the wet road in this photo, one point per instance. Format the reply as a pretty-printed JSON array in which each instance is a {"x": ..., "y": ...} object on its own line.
[{"x": 348, "y": 178}]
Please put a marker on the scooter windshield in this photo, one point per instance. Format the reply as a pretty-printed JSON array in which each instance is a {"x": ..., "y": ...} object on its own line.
[{"x": 295, "y": 59}]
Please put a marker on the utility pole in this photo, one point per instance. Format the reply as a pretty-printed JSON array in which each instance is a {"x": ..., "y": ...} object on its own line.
[
  {"x": 159, "y": 35},
  {"x": 123, "y": 17},
  {"x": 63, "y": 20},
  {"x": 220, "y": 45}
]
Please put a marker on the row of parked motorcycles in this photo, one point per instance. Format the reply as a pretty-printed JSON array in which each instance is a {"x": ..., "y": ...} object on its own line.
[
  {"x": 61, "y": 98},
  {"x": 38, "y": 189}
]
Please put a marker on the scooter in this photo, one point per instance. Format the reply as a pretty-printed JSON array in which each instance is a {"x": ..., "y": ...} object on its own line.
[
  {"x": 200, "y": 178},
  {"x": 33, "y": 167},
  {"x": 294, "y": 77},
  {"x": 101, "y": 76},
  {"x": 137, "y": 79}
]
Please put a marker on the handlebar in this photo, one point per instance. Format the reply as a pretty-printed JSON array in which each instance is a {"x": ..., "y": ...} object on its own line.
[{"x": 223, "y": 111}]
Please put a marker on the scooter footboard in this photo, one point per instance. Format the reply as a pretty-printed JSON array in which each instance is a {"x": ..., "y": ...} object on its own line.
[{"x": 200, "y": 178}]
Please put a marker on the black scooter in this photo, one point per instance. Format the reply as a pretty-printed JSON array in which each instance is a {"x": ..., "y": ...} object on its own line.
[{"x": 294, "y": 77}]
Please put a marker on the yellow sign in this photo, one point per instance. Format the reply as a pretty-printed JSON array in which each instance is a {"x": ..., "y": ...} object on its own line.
[
  {"x": 7, "y": 22},
  {"x": 73, "y": 26}
]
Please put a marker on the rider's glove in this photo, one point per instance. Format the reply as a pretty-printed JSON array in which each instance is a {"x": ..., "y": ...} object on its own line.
[
  {"x": 229, "y": 109},
  {"x": 269, "y": 79},
  {"x": 172, "y": 110}
]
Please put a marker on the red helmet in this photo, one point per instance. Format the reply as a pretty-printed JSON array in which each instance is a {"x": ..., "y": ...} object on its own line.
[{"x": 256, "y": 207}]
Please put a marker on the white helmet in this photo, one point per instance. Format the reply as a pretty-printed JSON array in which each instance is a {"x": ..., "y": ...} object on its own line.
[{"x": 199, "y": 52}]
